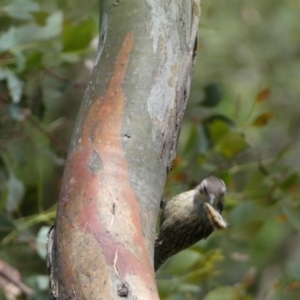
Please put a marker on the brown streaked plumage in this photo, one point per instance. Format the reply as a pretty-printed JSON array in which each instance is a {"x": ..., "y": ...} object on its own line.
[{"x": 188, "y": 218}]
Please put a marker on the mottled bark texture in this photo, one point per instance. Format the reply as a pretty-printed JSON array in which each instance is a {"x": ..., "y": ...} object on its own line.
[{"x": 123, "y": 146}]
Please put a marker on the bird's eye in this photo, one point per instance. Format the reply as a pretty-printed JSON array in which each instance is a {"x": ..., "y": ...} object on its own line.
[{"x": 205, "y": 190}]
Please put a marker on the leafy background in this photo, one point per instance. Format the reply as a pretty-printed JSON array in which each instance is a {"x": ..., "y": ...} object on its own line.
[{"x": 241, "y": 124}]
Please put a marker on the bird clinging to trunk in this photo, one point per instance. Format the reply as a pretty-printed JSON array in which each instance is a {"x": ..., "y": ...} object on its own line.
[{"x": 188, "y": 218}]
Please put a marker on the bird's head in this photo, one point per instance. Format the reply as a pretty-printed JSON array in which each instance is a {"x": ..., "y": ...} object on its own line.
[{"x": 212, "y": 190}]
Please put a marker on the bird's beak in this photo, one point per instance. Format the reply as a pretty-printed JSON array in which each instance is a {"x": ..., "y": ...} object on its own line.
[{"x": 211, "y": 199}]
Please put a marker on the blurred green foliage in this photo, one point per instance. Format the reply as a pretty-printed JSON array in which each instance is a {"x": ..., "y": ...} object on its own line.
[
  {"x": 241, "y": 124},
  {"x": 46, "y": 50}
]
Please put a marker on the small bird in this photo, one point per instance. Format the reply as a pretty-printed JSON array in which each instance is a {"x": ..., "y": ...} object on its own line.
[{"x": 188, "y": 218}]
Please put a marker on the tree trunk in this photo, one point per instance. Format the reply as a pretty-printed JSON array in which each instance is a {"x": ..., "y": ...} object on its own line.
[{"x": 121, "y": 151}]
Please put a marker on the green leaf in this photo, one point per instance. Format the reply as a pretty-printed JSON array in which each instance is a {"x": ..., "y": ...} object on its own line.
[
  {"x": 232, "y": 144},
  {"x": 166, "y": 287},
  {"x": 76, "y": 37},
  {"x": 41, "y": 241},
  {"x": 219, "y": 117},
  {"x": 289, "y": 182},
  {"x": 20, "y": 60},
  {"x": 183, "y": 261},
  {"x": 34, "y": 60},
  {"x": 242, "y": 213},
  {"x": 15, "y": 192},
  {"x": 15, "y": 85},
  {"x": 21, "y": 9},
  {"x": 271, "y": 236},
  {"x": 222, "y": 293},
  {"x": 61, "y": 4},
  {"x": 218, "y": 129},
  {"x": 213, "y": 95},
  {"x": 38, "y": 282},
  {"x": 215, "y": 127},
  {"x": 31, "y": 32},
  {"x": 53, "y": 27},
  {"x": 70, "y": 58},
  {"x": 8, "y": 39},
  {"x": 41, "y": 17},
  {"x": 192, "y": 141}
]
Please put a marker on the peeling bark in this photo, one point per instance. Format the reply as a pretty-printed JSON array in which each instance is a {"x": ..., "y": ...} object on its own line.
[{"x": 123, "y": 146}]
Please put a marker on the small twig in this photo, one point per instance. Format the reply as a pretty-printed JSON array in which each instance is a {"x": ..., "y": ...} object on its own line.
[
  {"x": 24, "y": 288},
  {"x": 50, "y": 73}
]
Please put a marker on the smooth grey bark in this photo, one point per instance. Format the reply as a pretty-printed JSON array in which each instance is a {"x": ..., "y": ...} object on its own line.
[{"x": 122, "y": 149}]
